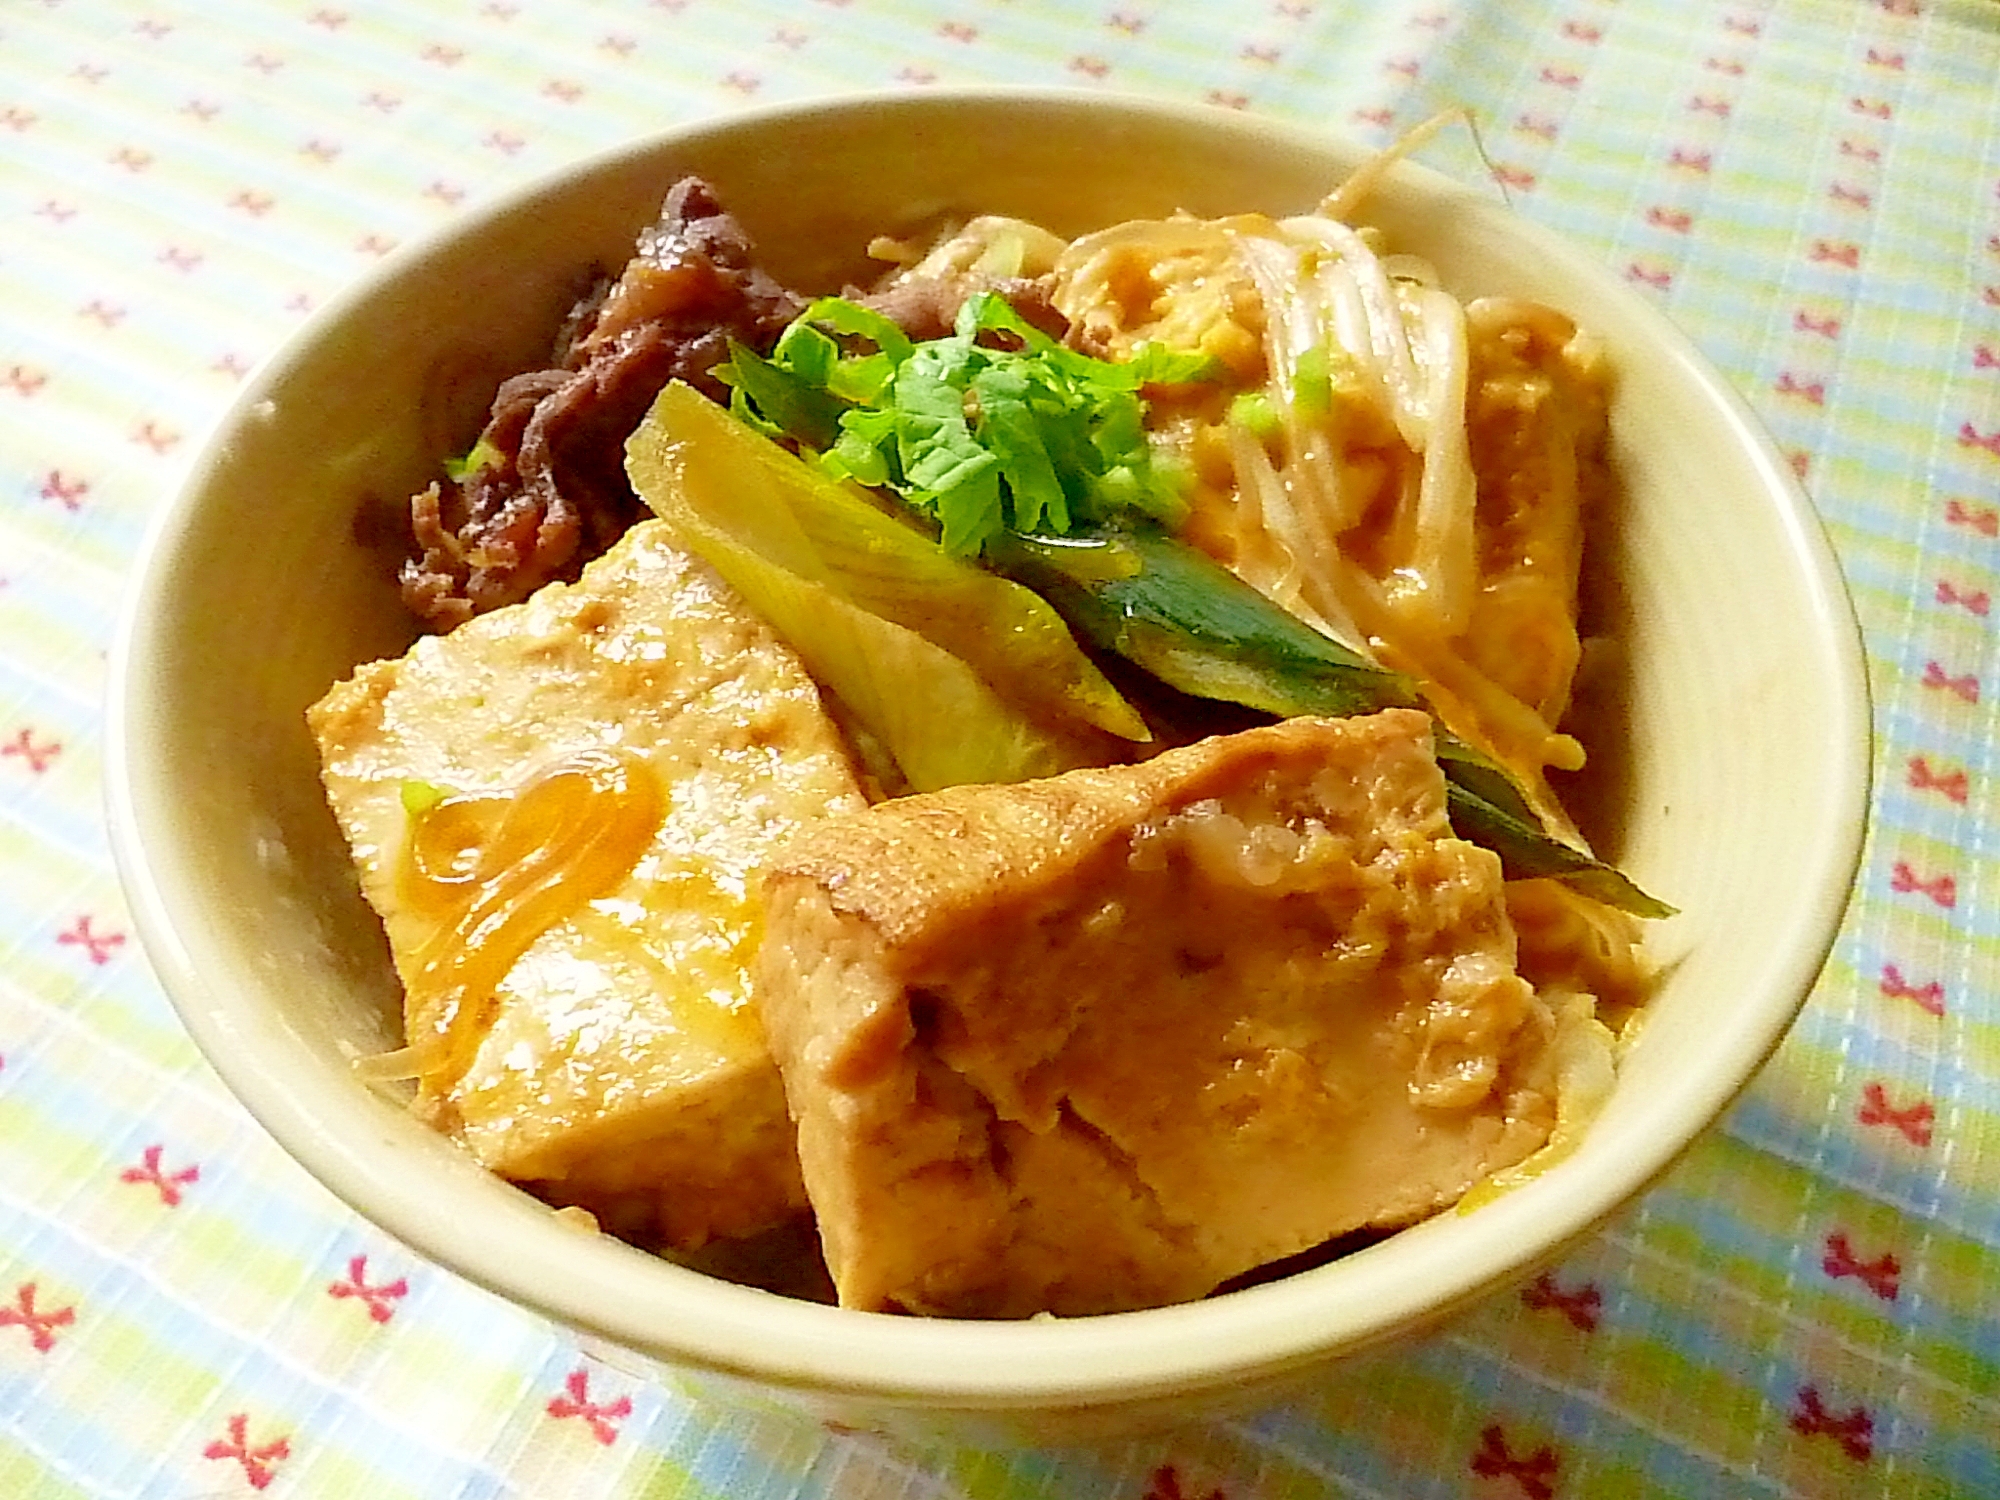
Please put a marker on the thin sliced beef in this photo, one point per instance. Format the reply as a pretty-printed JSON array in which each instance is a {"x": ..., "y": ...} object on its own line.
[{"x": 549, "y": 491}]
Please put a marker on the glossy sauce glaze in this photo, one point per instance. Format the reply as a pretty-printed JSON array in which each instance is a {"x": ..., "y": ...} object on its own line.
[{"x": 494, "y": 872}]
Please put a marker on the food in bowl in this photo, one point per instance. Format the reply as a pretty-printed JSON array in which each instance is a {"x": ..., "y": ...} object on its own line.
[
  {"x": 622, "y": 754},
  {"x": 1112, "y": 1038},
  {"x": 1729, "y": 773},
  {"x": 1118, "y": 990}
]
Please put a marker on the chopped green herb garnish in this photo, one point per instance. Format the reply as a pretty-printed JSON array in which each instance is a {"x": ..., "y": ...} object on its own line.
[
  {"x": 1035, "y": 437},
  {"x": 778, "y": 401},
  {"x": 419, "y": 797},
  {"x": 482, "y": 455}
]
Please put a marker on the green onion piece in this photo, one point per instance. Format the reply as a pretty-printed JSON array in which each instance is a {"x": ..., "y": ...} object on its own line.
[
  {"x": 419, "y": 797},
  {"x": 1527, "y": 853},
  {"x": 1170, "y": 609},
  {"x": 1252, "y": 411},
  {"x": 961, "y": 674},
  {"x": 1312, "y": 384},
  {"x": 995, "y": 426},
  {"x": 482, "y": 455}
]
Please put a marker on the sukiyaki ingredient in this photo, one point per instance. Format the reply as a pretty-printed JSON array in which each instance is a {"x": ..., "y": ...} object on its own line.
[
  {"x": 543, "y": 490},
  {"x": 1173, "y": 610},
  {"x": 977, "y": 436},
  {"x": 959, "y": 674},
  {"x": 1106, "y": 1040},
  {"x": 489, "y": 873},
  {"x": 559, "y": 809},
  {"x": 1411, "y": 473},
  {"x": 1093, "y": 705},
  {"x": 1198, "y": 628}
]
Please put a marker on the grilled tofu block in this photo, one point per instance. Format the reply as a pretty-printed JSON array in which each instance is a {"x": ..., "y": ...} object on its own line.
[
  {"x": 1106, "y": 1040},
  {"x": 611, "y": 1057}
]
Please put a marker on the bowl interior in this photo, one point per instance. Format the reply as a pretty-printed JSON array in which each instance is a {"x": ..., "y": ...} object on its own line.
[{"x": 1737, "y": 779}]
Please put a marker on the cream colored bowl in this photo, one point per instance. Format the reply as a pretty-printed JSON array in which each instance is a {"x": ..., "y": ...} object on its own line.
[{"x": 1739, "y": 791}]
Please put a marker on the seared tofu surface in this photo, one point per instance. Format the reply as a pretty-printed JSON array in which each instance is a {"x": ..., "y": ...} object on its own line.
[
  {"x": 622, "y": 1065},
  {"x": 1107, "y": 1040}
]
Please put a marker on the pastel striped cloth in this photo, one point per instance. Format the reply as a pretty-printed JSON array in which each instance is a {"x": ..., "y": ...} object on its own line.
[{"x": 1806, "y": 1307}]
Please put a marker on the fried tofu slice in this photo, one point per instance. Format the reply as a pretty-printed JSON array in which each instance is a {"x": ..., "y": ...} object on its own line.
[
  {"x": 622, "y": 1065},
  {"x": 1107, "y": 1040}
]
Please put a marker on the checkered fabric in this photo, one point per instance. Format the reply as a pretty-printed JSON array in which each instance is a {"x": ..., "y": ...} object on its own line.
[{"x": 1805, "y": 1307}]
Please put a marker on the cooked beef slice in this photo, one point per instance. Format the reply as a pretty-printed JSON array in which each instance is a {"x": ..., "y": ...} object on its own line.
[{"x": 548, "y": 490}]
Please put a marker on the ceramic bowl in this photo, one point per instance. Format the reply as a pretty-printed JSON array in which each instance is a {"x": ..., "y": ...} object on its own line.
[{"x": 1737, "y": 786}]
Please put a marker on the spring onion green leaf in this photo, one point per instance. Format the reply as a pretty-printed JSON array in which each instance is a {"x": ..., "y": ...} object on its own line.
[
  {"x": 1526, "y": 852},
  {"x": 1312, "y": 384},
  {"x": 1168, "y": 608},
  {"x": 1171, "y": 609}
]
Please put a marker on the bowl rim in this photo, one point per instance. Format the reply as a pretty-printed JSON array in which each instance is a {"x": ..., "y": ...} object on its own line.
[{"x": 512, "y": 1246}]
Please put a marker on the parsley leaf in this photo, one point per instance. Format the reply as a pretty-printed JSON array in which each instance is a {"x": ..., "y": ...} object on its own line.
[
  {"x": 777, "y": 396},
  {"x": 994, "y": 427}
]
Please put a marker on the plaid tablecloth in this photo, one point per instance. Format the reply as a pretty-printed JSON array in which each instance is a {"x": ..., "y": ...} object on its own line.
[{"x": 1809, "y": 1306}]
